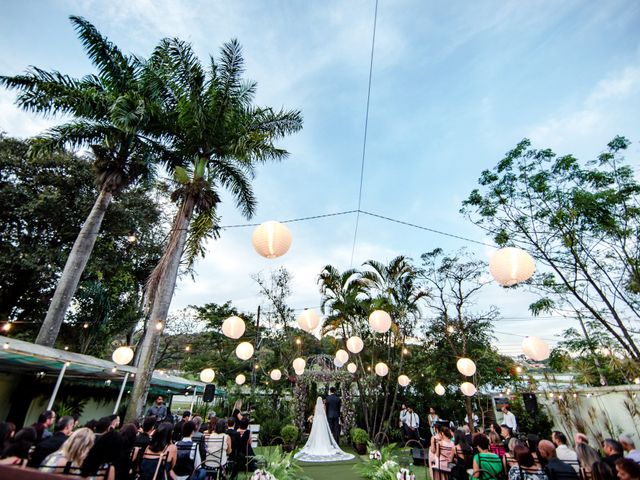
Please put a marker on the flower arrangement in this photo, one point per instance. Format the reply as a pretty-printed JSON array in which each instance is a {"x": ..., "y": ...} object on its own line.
[
  {"x": 279, "y": 466},
  {"x": 381, "y": 465},
  {"x": 375, "y": 455},
  {"x": 262, "y": 475},
  {"x": 405, "y": 474}
]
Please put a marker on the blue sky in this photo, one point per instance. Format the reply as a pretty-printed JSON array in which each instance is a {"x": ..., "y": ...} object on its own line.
[{"x": 455, "y": 85}]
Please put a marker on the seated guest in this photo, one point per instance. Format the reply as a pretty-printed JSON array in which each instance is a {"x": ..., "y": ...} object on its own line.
[
  {"x": 197, "y": 436},
  {"x": 587, "y": 456},
  {"x": 218, "y": 446},
  {"x": 509, "y": 458},
  {"x": 213, "y": 421},
  {"x": 45, "y": 420},
  {"x": 486, "y": 465},
  {"x": 72, "y": 455},
  {"x": 159, "y": 453},
  {"x": 17, "y": 452},
  {"x": 233, "y": 434},
  {"x": 61, "y": 432},
  {"x": 563, "y": 452},
  {"x": 629, "y": 447},
  {"x": 144, "y": 438},
  {"x": 581, "y": 438},
  {"x": 245, "y": 450},
  {"x": 7, "y": 431},
  {"x": 463, "y": 456},
  {"x": 526, "y": 467},
  {"x": 104, "y": 453},
  {"x": 627, "y": 469},
  {"x": 188, "y": 458},
  {"x": 613, "y": 451},
  {"x": 102, "y": 426},
  {"x": 177, "y": 429},
  {"x": 507, "y": 434},
  {"x": 444, "y": 449},
  {"x": 496, "y": 446},
  {"x": 555, "y": 468},
  {"x": 532, "y": 445},
  {"x": 601, "y": 470},
  {"x": 123, "y": 464}
]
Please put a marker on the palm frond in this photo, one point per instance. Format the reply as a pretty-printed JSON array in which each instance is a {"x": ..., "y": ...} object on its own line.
[
  {"x": 203, "y": 227},
  {"x": 75, "y": 133},
  {"x": 238, "y": 181}
]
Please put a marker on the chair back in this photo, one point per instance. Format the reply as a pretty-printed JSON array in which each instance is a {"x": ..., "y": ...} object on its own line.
[
  {"x": 215, "y": 452},
  {"x": 255, "y": 434}
]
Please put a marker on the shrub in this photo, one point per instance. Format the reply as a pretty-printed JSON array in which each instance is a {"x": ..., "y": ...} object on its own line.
[
  {"x": 289, "y": 434},
  {"x": 359, "y": 436}
]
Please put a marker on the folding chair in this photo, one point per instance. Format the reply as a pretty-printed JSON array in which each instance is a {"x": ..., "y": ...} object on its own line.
[{"x": 215, "y": 449}]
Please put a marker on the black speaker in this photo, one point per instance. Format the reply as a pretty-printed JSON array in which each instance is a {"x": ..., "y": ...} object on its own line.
[
  {"x": 530, "y": 403},
  {"x": 209, "y": 393}
]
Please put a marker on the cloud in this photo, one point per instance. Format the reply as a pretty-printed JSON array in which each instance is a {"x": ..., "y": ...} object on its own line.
[{"x": 17, "y": 122}]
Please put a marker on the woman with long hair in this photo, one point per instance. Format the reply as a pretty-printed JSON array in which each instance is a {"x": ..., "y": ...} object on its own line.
[
  {"x": 587, "y": 456},
  {"x": 160, "y": 456},
  {"x": 17, "y": 452},
  {"x": 526, "y": 467},
  {"x": 71, "y": 455},
  {"x": 218, "y": 446},
  {"x": 444, "y": 450}
]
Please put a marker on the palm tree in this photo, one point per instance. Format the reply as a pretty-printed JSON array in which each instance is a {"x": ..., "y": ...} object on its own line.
[
  {"x": 111, "y": 112},
  {"x": 343, "y": 299},
  {"x": 220, "y": 133}
]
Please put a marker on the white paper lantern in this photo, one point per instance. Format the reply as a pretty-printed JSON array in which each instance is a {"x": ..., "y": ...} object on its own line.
[
  {"x": 122, "y": 355},
  {"x": 351, "y": 367},
  {"x": 380, "y": 321},
  {"x": 468, "y": 388},
  {"x": 233, "y": 327},
  {"x": 271, "y": 239},
  {"x": 244, "y": 351},
  {"x": 207, "y": 375},
  {"x": 342, "y": 355},
  {"x": 299, "y": 364},
  {"x": 300, "y": 371},
  {"x": 381, "y": 369},
  {"x": 466, "y": 366},
  {"x": 308, "y": 320},
  {"x": 440, "y": 389},
  {"x": 355, "y": 344},
  {"x": 275, "y": 374},
  {"x": 403, "y": 380},
  {"x": 535, "y": 348},
  {"x": 240, "y": 379},
  {"x": 337, "y": 362},
  {"x": 509, "y": 266}
]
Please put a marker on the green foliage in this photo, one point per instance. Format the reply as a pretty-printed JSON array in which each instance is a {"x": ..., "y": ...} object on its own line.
[
  {"x": 359, "y": 436},
  {"x": 282, "y": 465},
  {"x": 289, "y": 434},
  {"x": 385, "y": 468},
  {"x": 538, "y": 423}
]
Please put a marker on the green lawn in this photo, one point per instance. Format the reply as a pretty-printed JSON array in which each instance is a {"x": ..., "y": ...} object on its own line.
[{"x": 331, "y": 471}]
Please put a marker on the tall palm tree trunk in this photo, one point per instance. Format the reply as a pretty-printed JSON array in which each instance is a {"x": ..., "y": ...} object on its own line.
[
  {"x": 76, "y": 263},
  {"x": 162, "y": 283}
]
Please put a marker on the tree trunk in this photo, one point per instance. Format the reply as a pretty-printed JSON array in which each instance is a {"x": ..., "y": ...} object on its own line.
[
  {"x": 159, "y": 294},
  {"x": 76, "y": 263}
]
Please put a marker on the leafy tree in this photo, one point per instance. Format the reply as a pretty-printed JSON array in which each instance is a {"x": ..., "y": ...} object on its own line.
[
  {"x": 113, "y": 113},
  {"x": 215, "y": 127},
  {"x": 580, "y": 221}
]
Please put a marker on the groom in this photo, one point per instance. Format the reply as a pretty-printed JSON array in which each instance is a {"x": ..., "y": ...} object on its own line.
[{"x": 333, "y": 413}]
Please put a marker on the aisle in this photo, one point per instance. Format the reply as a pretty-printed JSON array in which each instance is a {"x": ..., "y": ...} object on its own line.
[{"x": 332, "y": 471}]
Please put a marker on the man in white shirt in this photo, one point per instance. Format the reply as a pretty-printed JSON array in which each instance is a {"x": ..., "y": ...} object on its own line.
[
  {"x": 509, "y": 419},
  {"x": 629, "y": 447},
  {"x": 563, "y": 452},
  {"x": 411, "y": 423}
]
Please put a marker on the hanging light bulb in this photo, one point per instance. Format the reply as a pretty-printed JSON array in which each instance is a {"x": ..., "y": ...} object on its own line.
[
  {"x": 159, "y": 325},
  {"x": 380, "y": 321},
  {"x": 381, "y": 369},
  {"x": 535, "y": 348},
  {"x": 468, "y": 388},
  {"x": 233, "y": 327},
  {"x": 207, "y": 375},
  {"x": 466, "y": 366},
  {"x": 271, "y": 239},
  {"x": 240, "y": 379},
  {"x": 355, "y": 344},
  {"x": 122, "y": 355},
  {"x": 439, "y": 389},
  {"x": 509, "y": 266},
  {"x": 308, "y": 320},
  {"x": 351, "y": 367},
  {"x": 343, "y": 356},
  {"x": 244, "y": 351},
  {"x": 275, "y": 374},
  {"x": 299, "y": 364},
  {"x": 403, "y": 380}
]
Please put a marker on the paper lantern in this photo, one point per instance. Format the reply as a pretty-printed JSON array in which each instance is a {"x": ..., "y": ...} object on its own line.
[
  {"x": 535, "y": 348},
  {"x": 466, "y": 366},
  {"x": 271, "y": 239},
  {"x": 381, "y": 369},
  {"x": 207, "y": 375},
  {"x": 351, "y": 367},
  {"x": 342, "y": 355},
  {"x": 233, "y": 327},
  {"x": 355, "y": 344},
  {"x": 240, "y": 379},
  {"x": 244, "y": 351},
  {"x": 439, "y": 389},
  {"x": 509, "y": 266},
  {"x": 122, "y": 355},
  {"x": 380, "y": 321},
  {"x": 275, "y": 374},
  {"x": 300, "y": 371},
  {"x": 403, "y": 380},
  {"x": 299, "y": 364},
  {"x": 468, "y": 388},
  {"x": 308, "y": 320},
  {"x": 337, "y": 362}
]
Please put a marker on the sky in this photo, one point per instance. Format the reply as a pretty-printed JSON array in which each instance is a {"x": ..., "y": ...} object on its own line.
[{"x": 455, "y": 85}]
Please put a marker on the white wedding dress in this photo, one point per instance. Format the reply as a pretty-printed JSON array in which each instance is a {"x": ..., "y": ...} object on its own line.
[{"x": 321, "y": 446}]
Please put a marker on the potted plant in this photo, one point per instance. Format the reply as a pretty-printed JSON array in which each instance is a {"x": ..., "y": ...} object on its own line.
[
  {"x": 289, "y": 434},
  {"x": 359, "y": 438}
]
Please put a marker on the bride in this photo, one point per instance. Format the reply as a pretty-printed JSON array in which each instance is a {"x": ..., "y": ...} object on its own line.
[{"x": 321, "y": 446}]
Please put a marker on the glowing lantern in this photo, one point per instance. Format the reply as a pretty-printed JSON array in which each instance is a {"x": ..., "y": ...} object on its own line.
[
  {"x": 535, "y": 348},
  {"x": 271, "y": 239},
  {"x": 233, "y": 327},
  {"x": 343, "y": 356},
  {"x": 466, "y": 366},
  {"x": 380, "y": 321},
  {"x": 308, "y": 320},
  {"x": 439, "y": 389},
  {"x": 299, "y": 364},
  {"x": 122, "y": 355},
  {"x": 509, "y": 266},
  {"x": 337, "y": 362},
  {"x": 381, "y": 369},
  {"x": 468, "y": 388},
  {"x": 244, "y": 351},
  {"x": 240, "y": 379},
  {"x": 299, "y": 372},
  {"x": 275, "y": 374},
  {"x": 207, "y": 375},
  {"x": 355, "y": 344},
  {"x": 403, "y": 380},
  {"x": 351, "y": 367}
]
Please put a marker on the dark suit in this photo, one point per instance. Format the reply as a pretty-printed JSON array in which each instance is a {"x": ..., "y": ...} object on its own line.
[
  {"x": 46, "y": 447},
  {"x": 558, "y": 470},
  {"x": 333, "y": 415}
]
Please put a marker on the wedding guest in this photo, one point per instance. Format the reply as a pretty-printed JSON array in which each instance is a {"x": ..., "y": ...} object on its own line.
[
  {"x": 188, "y": 455},
  {"x": 123, "y": 462},
  {"x": 554, "y": 467},
  {"x": 526, "y": 467},
  {"x": 104, "y": 453},
  {"x": 581, "y": 438},
  {"x": 629, "y": 447},
  {"x": 45, "y": 420},
  {"x": 7, "y": 431},
  {"x": 563, "y": 452},
  {"x": 507, "y": 434},
  {"x": 627, "y": 469},
  {"x": 177, "y": 429},
  {"x": 432, "y": 419},
  {"x": 158, "y": 409},
  {"x": 62, "y": 430},
  {"x": 587, "y": 456},
  {"x": 160, "y": 450},
  {"x": 197, "y": 436},
  {"x": 601, "y": 470},
  {"x": 509, "y": 419},
  {"x": 411, "y": 425},
  {"x": 245, "y": 450},
  {"x": 144, "y": 437},
  {"x": 463, "y": 451},
  {"x": 532, "y": 445},
  {"x": 613, "y": 451},
  {"x": 443, "y": 448},
  {"x": 486, "y": 465},
  {"x": 17, "y": 452},
  {"x": 218, "y": 446},
  {"x": 233, "y": 435},
  {"x": 72, "y": 455},
  {"x": 509, "y": 457},
  {"x": 496, "y": 446},
  {"x": 213, "y": 421}
]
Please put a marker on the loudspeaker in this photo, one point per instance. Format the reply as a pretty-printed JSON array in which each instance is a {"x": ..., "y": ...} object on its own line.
[
  {"x": 209, "y": 393},
  {"x": 530, "y": 403}
]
